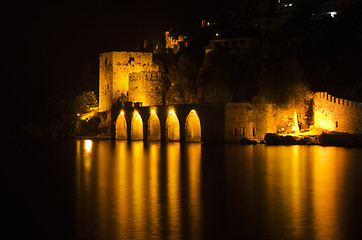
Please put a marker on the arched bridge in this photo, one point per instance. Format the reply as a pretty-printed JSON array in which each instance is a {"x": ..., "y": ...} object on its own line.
[{"x": 184, "y": 122}]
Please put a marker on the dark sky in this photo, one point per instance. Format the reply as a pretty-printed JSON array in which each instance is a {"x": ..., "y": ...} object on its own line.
[{"x": 52, "y": 49}]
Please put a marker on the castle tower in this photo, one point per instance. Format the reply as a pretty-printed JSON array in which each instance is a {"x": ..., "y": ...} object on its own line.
[
  {"x": 114, "y": 71},
  {"x": 146, "y": 87}
]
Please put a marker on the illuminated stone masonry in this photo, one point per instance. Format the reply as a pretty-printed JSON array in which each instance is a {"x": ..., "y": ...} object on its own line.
[
  {"x": 114, "y": 71},
  {"x": 337, "y": 114},
  {"x": 130, "y": 85},
  {"x": 145, "y": 87}
]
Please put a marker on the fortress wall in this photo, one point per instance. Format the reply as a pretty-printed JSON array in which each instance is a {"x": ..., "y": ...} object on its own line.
[
  {"x": 337, "y": 114},
  {"x": 146, "y": 87},
  {"x": 238, "y": 122},
  {"x": 244, "y": 120}
]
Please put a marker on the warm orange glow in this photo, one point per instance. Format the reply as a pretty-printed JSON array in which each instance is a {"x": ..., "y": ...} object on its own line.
[
  {"x": 139, "y": 194},
  {"x": 327, "y": 171},
  {"x": 121, "y": 127},
  {"x": 154, "y": 194},
  {"x": 192, "y": 127},
  {"x": 194, "y": 172},
  {"x": 122, "y": 176},
  {"x": 154, "y": 128},
  {"x": 172, "y": 127},
  {"x": 153, "y": 112},
  {"x": 326, "y": 124},
  {"x": 88, "y": 145},
  {"x": 87, "y": 115},
  {"x": 136, "y": 127},
  {"x": 173, "y": 189},
  {"x": 310, "y": 183}
]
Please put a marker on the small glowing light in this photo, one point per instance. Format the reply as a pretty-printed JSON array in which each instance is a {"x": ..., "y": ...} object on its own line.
[
  {"x": 293, "y": 128},
  {"x": 88, "y": 145},
  {"x": 193, "y": 111},
  {"x": 290, "y": 4},
  {"x": 78, "y": 114},
  {"x": 217, "y": 34},
  {"x": 122, "y": 112},
  {"x": 282, "y": 129},
  {"x": 172, "y": 112},
  {"x": 153, "y": 112},
  {"x": 332, "y": 14},
  {"x": 136, "y": 113}
]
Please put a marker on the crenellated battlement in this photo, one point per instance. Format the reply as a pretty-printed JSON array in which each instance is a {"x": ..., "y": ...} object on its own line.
[
  {"x": 332, "y": 99},
  {"x": 337, "y": 114}
]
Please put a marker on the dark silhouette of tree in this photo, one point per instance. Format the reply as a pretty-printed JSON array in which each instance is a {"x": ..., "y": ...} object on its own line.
[{"x": 84, "y": 102}]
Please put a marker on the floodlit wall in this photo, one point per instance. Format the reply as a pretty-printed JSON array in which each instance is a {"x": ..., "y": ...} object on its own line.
[
  {"x": 337, "y": 114},
  {"x": 114, "y": 70},
  {"x": 153, "y": 128},
  {"x": 145, "y": 87},
  {"x": 244, "y": 120},
  {"x": 192, "y": 127},
  {"x": 121, "y": 127}
]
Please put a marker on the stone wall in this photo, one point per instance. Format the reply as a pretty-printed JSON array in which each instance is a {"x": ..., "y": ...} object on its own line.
[
  {"x": 337, "y": 114},
  {"x": 245, "y": 120},
  {"x": 146, "y": 87},
  {"x": 114, "y": 70}
]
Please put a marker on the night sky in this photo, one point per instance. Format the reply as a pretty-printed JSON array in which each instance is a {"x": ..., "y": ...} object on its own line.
[{"x": 52, "y": 49}]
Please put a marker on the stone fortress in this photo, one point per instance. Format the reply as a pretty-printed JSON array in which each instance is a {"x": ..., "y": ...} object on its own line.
[
  {"x": 130, "y": 87},
  {"x": 127, "y": 76}
]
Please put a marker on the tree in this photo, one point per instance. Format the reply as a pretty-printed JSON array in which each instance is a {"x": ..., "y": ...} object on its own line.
[
  {"x": 282, "y": 84},
  {"x": 84, "y": 102}
]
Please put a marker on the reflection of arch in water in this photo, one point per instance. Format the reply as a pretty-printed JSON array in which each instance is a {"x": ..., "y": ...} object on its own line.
[
  {"x": 172, "y": 127},
  {"x": 192, "y": 127},
  {"x": 121, "y": 127},
  {"x": 136, "y": 127},
  {"x": 154, "y": 127}
]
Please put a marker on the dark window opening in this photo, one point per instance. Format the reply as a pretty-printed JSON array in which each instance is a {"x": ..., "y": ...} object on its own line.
[
  {"x": 254, "y": 134},
  {"x": 336, "y": 124}
]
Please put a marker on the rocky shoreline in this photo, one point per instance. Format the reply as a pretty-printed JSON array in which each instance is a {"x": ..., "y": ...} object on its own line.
[{"x": 324, "y": 139}]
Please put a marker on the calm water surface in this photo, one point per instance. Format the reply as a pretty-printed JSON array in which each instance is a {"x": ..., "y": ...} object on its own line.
[{"x": 101, "y": 189}]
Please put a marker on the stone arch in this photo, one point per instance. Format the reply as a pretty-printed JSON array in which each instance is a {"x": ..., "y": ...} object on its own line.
[
  {"x": 136, "y": 127},
  {"x": 154, "y": 128},
  {"x": 192, "y": 127},
  {"x": 121, "y": 127},
  {"x": 172, "y": 127}
]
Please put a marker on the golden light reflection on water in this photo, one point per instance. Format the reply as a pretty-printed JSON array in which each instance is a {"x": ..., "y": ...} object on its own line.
[
  {"x": 304, "y": 185},
  {"x": 194, "y": 164},
  {"x": 125, "y": 189},
  {"x": 173, "y": 188},
  {"x": 154, "y": 188},
  {"x": 137, "y": 190},
  {"x": 327, "y": 171}
]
